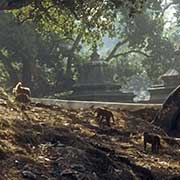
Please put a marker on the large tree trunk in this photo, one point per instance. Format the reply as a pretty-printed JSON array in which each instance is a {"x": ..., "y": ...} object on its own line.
[
  {"x": 69, "y": 74},
  {"x": 26, "y": 73},
  {"x": 168, "y": 118},
  {"x": 13, "y": 78}
]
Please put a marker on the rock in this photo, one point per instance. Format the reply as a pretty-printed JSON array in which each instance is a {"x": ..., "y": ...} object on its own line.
[
  {"x": 175, "y": 177},
  {"x": 168, "y": 116},
  {"x": 59, "y": 144},
  {"x": 68, "y": 174},
  {"x": 26, "y": 167},
  {"x": 78, "y": 167},
  {"x": 43, "y": 177},
  {"x": 147, "y": 167},
  {"x": 3, "y": 154},
  {"x": 29, "y": 175}
]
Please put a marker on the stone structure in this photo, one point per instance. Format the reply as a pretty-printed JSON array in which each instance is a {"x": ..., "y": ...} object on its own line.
[
  {"x": 159, "y": 92},
  {"x": 168, "y": 117},
  {"x": 95, "y": 85}
]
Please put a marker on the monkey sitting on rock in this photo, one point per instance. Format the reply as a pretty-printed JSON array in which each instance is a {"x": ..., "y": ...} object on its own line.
[
  {"x": 103, "y": 114},
  {"x": 152, "y": 139}
]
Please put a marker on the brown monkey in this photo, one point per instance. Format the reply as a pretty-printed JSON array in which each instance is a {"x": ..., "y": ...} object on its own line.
[
  {"x": 103, "y": 114},
  {"x": 152, "y": 139},
  {"x": 23, "y": 99},
  {"x": 19, "y": 89}
]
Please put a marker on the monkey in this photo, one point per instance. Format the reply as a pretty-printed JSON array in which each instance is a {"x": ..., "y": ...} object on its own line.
[
  {"x": 16, "y": 88},
  {"x": 19, "y": 89},
  {"x": 152, "y": 139},
  {"x": 23, "y": 99},
  {"x": 103, "y": 114}
]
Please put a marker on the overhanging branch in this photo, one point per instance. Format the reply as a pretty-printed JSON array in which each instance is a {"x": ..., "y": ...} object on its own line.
[
  {"x": 120, "y": 43},
  {"x": 129, "y": 52},
  {"x": 13, "y": 4}
]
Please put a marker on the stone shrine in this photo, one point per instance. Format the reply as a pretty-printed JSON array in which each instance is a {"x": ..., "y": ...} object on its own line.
[
  {"x": 95, "y": 85},
  {"x": 159, "y": 92}
]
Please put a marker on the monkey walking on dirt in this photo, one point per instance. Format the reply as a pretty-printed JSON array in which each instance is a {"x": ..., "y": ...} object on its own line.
[
  {"x": 103, "y": 114},
  {"x": 152, "y": 139}
]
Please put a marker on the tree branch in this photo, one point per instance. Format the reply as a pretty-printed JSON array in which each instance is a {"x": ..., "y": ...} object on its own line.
[
  {"x": 129, "y": 52},
  {"x": 70, "y": 58},
  {"x": 120, "y": 43},
  {"x": 13, "y": 4},
  {"x": 76, "y": 42}
]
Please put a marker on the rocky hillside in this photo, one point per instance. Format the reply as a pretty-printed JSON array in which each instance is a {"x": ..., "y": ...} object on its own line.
[{"x": 52, "y": 143}]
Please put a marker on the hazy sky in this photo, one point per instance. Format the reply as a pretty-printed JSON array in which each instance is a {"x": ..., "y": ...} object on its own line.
[{"x": 169, "y": 14}]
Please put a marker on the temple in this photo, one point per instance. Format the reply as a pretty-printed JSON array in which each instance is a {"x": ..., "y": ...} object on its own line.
[
  {"x": 95, "y": 85},
  {"x": 159, "y": 92}
]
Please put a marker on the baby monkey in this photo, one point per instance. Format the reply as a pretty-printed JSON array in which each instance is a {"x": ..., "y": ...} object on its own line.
[
  {"x": 152, "y": 139},
  {"x": 103, "y": 114}
]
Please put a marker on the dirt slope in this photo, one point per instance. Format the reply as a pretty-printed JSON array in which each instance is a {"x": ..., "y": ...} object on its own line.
[{"x": 51, "y": 143}]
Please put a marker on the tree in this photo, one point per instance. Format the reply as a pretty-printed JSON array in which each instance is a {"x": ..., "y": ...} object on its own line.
[
  {"x": 137, "y": 25},
  {"x": 38, "y": 59},
  {"x": 144, "y": 35},
  {"x": 90, "y": 18},
  {"x": 18, "y": 45},
  {"x": 74, "y": 6}
]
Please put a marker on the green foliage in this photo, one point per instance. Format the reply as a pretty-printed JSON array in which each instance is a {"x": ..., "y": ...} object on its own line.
[
  {"x": 47, "y": 34},
  {"x": 44, "y": 55},
  {"x": 91, "y": 22},
  {"x": 126, "y": 67}
]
